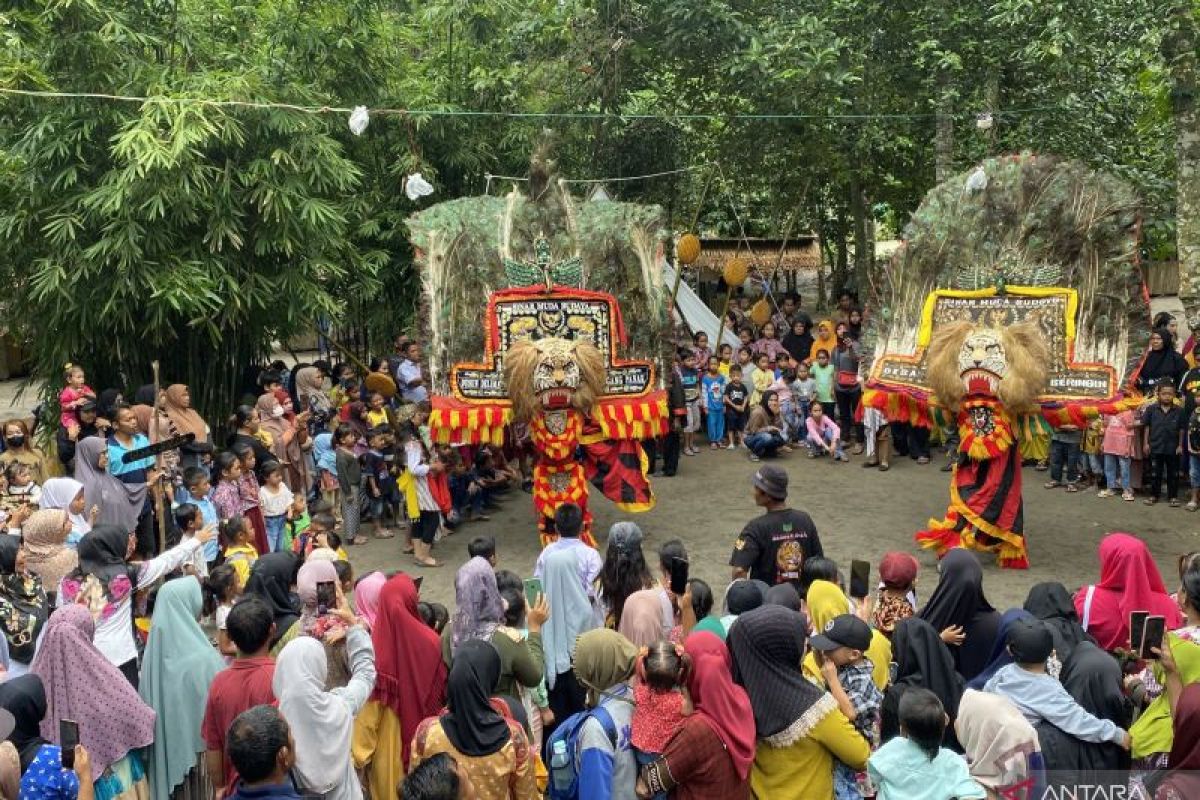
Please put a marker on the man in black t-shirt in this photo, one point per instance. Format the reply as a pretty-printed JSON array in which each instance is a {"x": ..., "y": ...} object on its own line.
[{"x": 773, "y": 547}]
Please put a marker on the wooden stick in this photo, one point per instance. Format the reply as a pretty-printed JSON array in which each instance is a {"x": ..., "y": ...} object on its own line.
[
  {"x": 158, "y": 490},
  {"x": 695, "y": 221},
  {"x": 721, "y": 321}
]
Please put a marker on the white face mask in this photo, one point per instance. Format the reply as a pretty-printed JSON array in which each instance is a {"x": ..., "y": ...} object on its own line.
[{"x": 278, "y": 412}]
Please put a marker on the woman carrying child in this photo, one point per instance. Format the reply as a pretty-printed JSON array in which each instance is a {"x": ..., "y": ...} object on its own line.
[{"x": 660, "y": 703}]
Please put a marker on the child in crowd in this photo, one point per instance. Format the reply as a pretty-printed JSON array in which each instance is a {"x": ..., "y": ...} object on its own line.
[
  {"x": 824, "y": 436},
  {"x": 434, "y": 615},
  {"x": 226, "y": 497},
  {"x": 746, "y": 362},
  {"x": 466, "y": 497},
  {"x": 1164, "y": 426},
  {"x": 237, "y": 537},
  {"x": 1093, "y": 452},
  {"x": 298, "y": 521},
  {"x": 275, "y": 499},
  {"x": 221, "y": 590},
  {"x": 190, "y": 521},
  {"x": 349, "y": 474},
  {"x": 822, "y": 374},
  {"x": 420, "y": 467},
  {"x": 377, "y": 415},
  {"x": 914, "y": 765},
  {"x": 660, "y": 699},
  {"x": 763, "y": 376},
  {"x": 700, "y": 348},
  {"x": 1192, "y": 438},
  {"x": 726, "y": 361},
  {"x": 483, "y": 547},
  {"x": 20, "y": 489},
  {"x": 847, "y": 672},
  {"x": 1038, "y": 695},
  {"x": 737, "y": 401},
  {"x": 713, "y": 384},
  {"x": 1117, "y": 447},
  {"x": 248, "y": 494},
  {"x": 380, "y": 484},
  {"x": 689, "y": 378},
  {"x": 1064, "y": 458},
  {"x": 897, "y": 597},
  {"x": 73, "y": 395},
  {"x": 804, "y": 392},
  {"x": 325, "y": 458},
  {"x": 782, "y": 387},
  {"x": 196, "y": 482}
]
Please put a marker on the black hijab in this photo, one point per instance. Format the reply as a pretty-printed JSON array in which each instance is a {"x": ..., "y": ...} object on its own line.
[
  {"x": 959, "y": 600},
  {"x": 25, "y": 699},
  {"x": 783, "y": 594},
  {"x": 102, "y": 554},
  {"x": 799, "y": 345},
  {"x": 1093, "y": 678},
  {"x": 1161, "y": 364},
  {"x": 106, "y": 403},
  {"x": 271, "y": 578},
  {"x": 766, "y": 645},
  {"x": 1051, "y": 603},
  {"x": 922, "y": 660},
  {"x": 471, "y": 724},
  {"x": 23, "y": 604}
]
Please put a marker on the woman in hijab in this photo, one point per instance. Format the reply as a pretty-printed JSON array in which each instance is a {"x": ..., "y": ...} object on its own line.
[
  {"x": 824, "y": 340},
  {"x": 46, "y": 553},
  {"x": 366, "y": 597},
  {"x": 105, "y": 584},
  {"x": 23, "y": 606},
  {"x": 1001, "y": 746},
  {"x": 272, "y": 578},
  {"x": 120, "y": 503},
  {"x": 798, "y": 341},
  {"x": 42, "y": 773},
  {"x": 177, "y": 668},
  {"x": 711, "y": 754},
  {"x": 246, "y": 431},
  {"x": 404, "y": 646},
  {"x": 322, "y": 722},
  {"x": 18, "y": 447},
  {"x": 1182, "y": 782},
  {"x": 1129, "y": 581},
  {"x": 67, "y": 494},
  {"x": 180, "y": 419},
  {"x": 311, "y": 392},
  {"x": 1094, "y": 679},
  {"x": 144, "y": 403},
  {"x": 799, "y": 727},
  {"x": 573, "y": 615},
  {"x": 324, "y": 625},
  {"x": 491, "y": 749},
  {"x": 624, "y": 571},
  {"x": 1161, "y": 363},
  {"x": 83, "y": 686},
  {"x": 1051, "y": 603},
  {"x": 604, "y": 661},
  {"x": 287, "y": 440},
  {"x": 826, "y": 601},
  {"x": 479, "y": 614},
  {"x": 765, "y": 428},
  {"x": 961, "y": 613},
  {"x": 922, "y": 660},
  {"x": 1000, "y": 656},
  {"x": 642, "y": 618}
]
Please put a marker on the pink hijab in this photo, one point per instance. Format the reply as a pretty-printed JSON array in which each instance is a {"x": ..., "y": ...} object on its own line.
[
  {"x": 366, "y": 596},
  {"x": 84, "y": 686},
  {"x": 642, "y": 618},
  {"x": 1129, "y": 581}
]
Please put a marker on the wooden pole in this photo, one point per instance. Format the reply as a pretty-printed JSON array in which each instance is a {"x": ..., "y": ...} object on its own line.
[
  {"x": 721, "y": 322},
  {"x": 691, "y": 229},
  {"x": 158, "y": 489}
]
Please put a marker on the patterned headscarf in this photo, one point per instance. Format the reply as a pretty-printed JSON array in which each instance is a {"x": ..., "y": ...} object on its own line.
[{"x": 479, "y": 606}]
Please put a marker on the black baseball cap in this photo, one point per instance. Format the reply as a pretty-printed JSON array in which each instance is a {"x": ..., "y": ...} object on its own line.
[
  {"x": 846, "y": 630},
  {"x": 1030, "y": 641}
]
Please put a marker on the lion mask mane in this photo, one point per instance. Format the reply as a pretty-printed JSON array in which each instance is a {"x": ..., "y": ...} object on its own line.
[
  {"x": 553, "y": 373},
  {"x": 1014, "y": 360}
]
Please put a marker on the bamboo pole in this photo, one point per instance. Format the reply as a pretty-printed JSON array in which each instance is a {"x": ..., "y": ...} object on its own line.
[
  {"x": 695, "y": 222},
  {"x": 158, "y": 489}
]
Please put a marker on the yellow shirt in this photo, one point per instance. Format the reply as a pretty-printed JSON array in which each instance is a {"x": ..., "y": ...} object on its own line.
[
  {"x": 723, "y": 368},
  {"x": 803, "y": 769},
  {"x": 763, "y": 378},
  {"x": 242, "y": 556},
  {"x": 377, "y": 418},
  {"x": 507, "y": 774},
  {"x": 377, "y": 746}
]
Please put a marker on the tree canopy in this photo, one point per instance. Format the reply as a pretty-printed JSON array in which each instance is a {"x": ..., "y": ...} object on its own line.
[{"x": 197, "y": 233}]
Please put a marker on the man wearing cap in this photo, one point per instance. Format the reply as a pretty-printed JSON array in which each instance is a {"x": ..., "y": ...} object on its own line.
[
  {"x": 773, "y": 547},
  {"x": 1038, "y": 696},
  {"x": 840, "y": 650}
]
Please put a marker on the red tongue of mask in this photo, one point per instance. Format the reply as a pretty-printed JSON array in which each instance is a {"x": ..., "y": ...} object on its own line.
[{"x": 978, "y": 383}]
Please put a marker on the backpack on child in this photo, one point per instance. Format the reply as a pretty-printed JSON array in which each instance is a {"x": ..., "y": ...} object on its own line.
[{"x": 564, "y": 771}]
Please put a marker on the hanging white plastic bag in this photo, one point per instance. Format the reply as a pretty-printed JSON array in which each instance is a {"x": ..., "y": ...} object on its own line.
[
  {"x": 977, "y": 181},
  {"x": 415, "y": 186},
  {"x": 359, "y": 119}
]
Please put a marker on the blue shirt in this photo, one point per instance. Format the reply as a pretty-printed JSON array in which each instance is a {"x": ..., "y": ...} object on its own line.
[
  {"x": 1039, "y": 697},
  {"x": 903, "y": 771},
  {"x": 208, "y": 513},
  {"x": 116, "y": 450},
  {"x": 46, "y": 779},
  {"x": 714, "y": 392}
]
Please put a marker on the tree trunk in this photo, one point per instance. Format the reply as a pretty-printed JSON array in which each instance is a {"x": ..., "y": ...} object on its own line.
[
  {"x": 1179, "y": 50},
  {"x": 842, "y": 255},
  {"x": 943, "y": 140}
]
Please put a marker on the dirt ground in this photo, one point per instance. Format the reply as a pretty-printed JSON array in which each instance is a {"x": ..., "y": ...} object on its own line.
[{"x": 859, "y": 514}]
